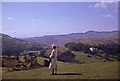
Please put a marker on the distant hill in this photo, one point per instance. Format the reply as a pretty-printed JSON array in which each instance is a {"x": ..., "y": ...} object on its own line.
[
  {"x": 17, "y": 45},
  {"x": 61, "y": 38},
  {"x": 89, "y": 41}
]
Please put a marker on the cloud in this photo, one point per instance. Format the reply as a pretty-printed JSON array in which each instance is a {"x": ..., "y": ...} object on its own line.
[
  {"x": 39, "y": 19},
  {"x": 36, "y": 20},
  {"x": 90, "y": 6},
  {"x": 10, "y": 18},
  {"x": 108, "y": 16},
  {"x": 104, "y": 5},
  {"x": 32, "y": 19}
]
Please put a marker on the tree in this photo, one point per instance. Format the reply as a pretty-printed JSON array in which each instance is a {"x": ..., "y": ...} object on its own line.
[
  {"x": 66, "y": 56},
  {"x": 42, "y": 53}
]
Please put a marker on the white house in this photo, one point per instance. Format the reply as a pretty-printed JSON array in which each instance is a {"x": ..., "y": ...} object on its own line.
[{"x": 93, "y": 49}]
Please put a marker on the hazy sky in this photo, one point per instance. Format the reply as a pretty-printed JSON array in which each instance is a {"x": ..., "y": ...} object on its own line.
[{"x": 29, "y": 19}]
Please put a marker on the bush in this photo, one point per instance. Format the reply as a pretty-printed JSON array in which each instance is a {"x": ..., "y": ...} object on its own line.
[
  {"x": 46, "y": 63},
  {"x": 66, "y": 56},
  {"x": 88, "y": 56}
]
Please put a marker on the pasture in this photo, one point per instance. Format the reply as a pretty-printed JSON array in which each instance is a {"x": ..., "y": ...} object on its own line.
[{"x": 98, "y": 70}]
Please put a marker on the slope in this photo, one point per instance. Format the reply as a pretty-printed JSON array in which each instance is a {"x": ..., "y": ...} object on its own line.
[{"x": 102, "y": 70}]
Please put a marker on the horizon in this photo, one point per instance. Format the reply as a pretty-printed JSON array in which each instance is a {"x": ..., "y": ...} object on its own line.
[
  {"x": 33, "y": 19},
  {"x": 61, "y": 34}
]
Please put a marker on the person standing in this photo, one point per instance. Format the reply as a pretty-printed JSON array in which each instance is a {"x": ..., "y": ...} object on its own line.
[{"x": 53, "y": 62}]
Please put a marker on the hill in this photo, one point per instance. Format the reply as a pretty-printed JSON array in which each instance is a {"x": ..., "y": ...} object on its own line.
[
  {"x": 14, "y": 45},
  {"x": 60, "y": 38},
  {"x": 90, "y": 41}
]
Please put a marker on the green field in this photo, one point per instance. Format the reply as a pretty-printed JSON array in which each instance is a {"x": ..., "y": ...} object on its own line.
[
  {"x": 82, "y": 57},
  {"x": 99, "y": 70}
]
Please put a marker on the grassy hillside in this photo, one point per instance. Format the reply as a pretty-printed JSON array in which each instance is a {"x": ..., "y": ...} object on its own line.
[
  {"x": 15, "y": 45},
  {"x": 101, "y": 70},
  {"x": 82, "y": 57}
]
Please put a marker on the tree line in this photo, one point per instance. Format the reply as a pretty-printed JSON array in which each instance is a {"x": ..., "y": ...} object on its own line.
[{"x": 108, "y": 49}]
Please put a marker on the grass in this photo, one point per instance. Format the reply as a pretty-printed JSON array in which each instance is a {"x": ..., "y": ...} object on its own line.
[
  {"x": 41, "y": 60},
  {"x": 99, "y": 70},
  {"x": 82, "y": 57}
]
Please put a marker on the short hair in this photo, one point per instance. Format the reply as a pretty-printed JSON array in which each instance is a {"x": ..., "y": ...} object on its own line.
[{"x": 54, "y": 47}]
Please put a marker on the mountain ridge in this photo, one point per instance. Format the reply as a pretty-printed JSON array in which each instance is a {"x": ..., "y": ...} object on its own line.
[{"x": 50, "y": 39}]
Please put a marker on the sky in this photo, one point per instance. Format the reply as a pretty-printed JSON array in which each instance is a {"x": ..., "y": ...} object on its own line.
[{"x": 33, "y": 19}]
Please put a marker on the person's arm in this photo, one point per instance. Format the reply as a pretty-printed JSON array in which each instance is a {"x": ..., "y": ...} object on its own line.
[{"x": 52, "y": 54}]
